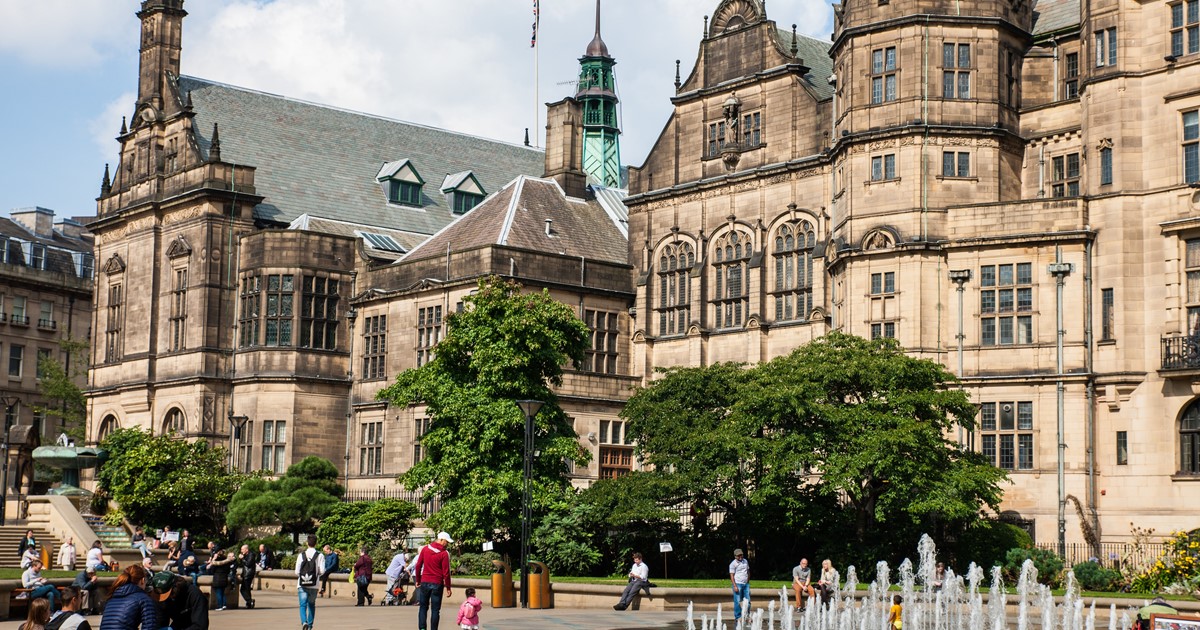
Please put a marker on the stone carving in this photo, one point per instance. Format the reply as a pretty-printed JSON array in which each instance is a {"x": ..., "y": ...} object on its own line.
[
  {"x": 179, "y": 248},
  {"x": 877, "y": 240},
  {"x": 208, "y": 415},
  {"x": 114, "y": 265},
  {"x": 735, "y": 14}
]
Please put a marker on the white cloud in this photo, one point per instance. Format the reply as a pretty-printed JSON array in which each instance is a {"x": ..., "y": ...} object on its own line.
[
  {"x": 104, "y": 128},
  {"x": 464, "y": 65},
  {"x": 65, "y": 32}
]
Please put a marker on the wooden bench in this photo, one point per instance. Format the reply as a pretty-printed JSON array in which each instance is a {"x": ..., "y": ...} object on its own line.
[{"x": 15, "y": 602}]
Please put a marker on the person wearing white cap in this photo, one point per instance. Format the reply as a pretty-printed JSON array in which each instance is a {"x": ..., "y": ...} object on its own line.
[{"x": 432, "y": 574}]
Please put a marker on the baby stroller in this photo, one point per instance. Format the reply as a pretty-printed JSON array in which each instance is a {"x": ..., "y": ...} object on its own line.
[{"x": 395, "y": 595}]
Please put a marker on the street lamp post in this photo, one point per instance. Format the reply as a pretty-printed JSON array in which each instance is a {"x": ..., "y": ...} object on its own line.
[
  {"x": 9, "y": 403},
  {"x": 530, "y": 409},
  {"x": 237, "y": 423}
]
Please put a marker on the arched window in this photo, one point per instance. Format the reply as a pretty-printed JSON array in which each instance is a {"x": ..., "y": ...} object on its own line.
[
  {"x": 675, "y": 262},
  {"x": 732, "y": 260},
  {"x": 794, "y": 243},
  {"x": 1189, "y": 440},
  {"x": 107, "y": 426},
  {"x": 173, "y": 422}
]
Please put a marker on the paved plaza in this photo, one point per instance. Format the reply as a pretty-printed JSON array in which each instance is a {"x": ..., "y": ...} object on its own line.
[{"x": 277, "y": 611}]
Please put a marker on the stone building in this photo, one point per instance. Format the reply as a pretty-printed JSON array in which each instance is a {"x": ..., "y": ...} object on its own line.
[
  {"x": 1008, "y": 188},
  {"x": 959, "y": 176},
  {"x": 229, "y": 238},
  {"x": 46, "y": 270}
]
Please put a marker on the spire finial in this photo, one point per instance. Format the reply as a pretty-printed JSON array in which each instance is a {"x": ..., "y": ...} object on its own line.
[
  {"x": 188, "y": 104},
  {"x": 597, "y": 18},
  {"x": 706, "y": 27},
  {"x": 106, "y": 183},
  {"x": 124, "y": 129},
  {"x": 795, "y": 43},
  {"x": 676, "y": 75},
  {"x": 527, "y": 136},
  {"x": 597, "y": 48},
  {"x": 214, "y": 147}
]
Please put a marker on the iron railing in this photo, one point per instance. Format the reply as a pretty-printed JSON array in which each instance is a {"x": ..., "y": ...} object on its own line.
[
  {"x": 1112, "y": 555},
  {"x": 383, "y": 492},
  {"x": 1181, "y": 352}
]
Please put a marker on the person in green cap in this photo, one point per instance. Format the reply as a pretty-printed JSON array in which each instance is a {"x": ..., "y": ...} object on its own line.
[
  {"x": 1157, "y": 606},
  {"x": 182, "y": 606}
]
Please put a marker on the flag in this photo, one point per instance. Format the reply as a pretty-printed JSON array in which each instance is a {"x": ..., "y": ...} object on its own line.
[{"x": 533, "y": 41}]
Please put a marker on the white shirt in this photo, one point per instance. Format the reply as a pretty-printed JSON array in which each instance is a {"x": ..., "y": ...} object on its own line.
[
  {"x": 640, "y": 571},
  {"x": 309, "y": 553},
  {"x": 66, "y": 554},
  {"x": 740, "y": 570},
  {"x": 95, "y": 557}
]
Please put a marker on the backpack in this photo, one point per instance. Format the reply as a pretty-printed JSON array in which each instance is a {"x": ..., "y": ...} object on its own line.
[{"x": 308, "y": 570}]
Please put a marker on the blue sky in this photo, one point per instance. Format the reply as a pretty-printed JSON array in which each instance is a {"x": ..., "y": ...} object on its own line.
[{"x": 68, "y": 69}]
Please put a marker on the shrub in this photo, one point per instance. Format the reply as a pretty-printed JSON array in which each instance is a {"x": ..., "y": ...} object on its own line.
[
  {"x": 986, "y": 543},
  {"x": 1176, "y": 567},
  {"x": 1094, "y": 577},
  {"x": 562, "y": 543},
  {"x": 1049, "y": 566},
  {"x": 349, "y": 525},
  {"x": 475, "y": 563}
]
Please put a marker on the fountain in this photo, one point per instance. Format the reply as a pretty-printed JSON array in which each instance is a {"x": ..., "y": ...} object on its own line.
[{"x": 959, "y": 605}]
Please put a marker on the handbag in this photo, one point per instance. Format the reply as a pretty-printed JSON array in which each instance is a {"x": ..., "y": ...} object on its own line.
[{"x": 362, "y": 580}]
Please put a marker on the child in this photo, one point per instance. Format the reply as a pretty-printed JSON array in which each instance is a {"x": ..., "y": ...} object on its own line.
[
  {"x": 894, "y": 613},
  {"x": 468, "y": 613}
]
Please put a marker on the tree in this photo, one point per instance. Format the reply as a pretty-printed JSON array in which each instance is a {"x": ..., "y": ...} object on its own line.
[
  {"x": 839, "y": 420},
  {"x": 505, "y": 345},
  {"x": 876, "y": 424},
  {"x": 58, "y": 384},
  {"x": 158, "y": 480},
  {"x": 296, "y": 501}
]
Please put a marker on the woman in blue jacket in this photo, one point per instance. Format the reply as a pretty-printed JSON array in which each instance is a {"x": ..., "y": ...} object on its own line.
[{"x": 129, "y": 607}]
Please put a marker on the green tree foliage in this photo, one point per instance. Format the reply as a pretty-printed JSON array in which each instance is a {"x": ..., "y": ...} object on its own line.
[
  {"x": 350, "y": 525},
  {"x": 986, "y": 543},
  {"x": 843, "y": 435},
  {"x": 563, "y": 542},
  {"x": 58, "y": 385},
  {"x": 504, "y": 346},
  {"x": 296, "y": 501},
  {"x": 161, "y": 481}
]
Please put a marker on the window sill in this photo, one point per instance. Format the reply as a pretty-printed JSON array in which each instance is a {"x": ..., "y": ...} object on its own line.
[
  {"x": 1106, "y": 342},
  {"x": 872, "y": 182},
  {"x": 955, "y": 178},
  {"x": 397, "y": 204},
  {"x": 1185, "y": 477}
]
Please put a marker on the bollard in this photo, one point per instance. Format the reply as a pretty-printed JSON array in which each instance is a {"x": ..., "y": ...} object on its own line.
[{"x": 502, "y": 585}]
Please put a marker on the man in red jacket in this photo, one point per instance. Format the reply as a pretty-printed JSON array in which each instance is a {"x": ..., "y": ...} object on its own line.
[{"x": 432, "y": 574}]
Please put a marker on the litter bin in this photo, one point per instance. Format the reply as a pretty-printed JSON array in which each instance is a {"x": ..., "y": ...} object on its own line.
[
  {"x": 539, "y": 585},
  {"x": 502, "y": 585}
]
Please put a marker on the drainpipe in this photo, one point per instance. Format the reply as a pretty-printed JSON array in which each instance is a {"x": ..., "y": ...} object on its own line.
[
  {"x": 960, "y": 277},
  {"x": 1060, "y": 270},
  {"x": 1091, "y": 385},
  {"x": 351, "y": 315}
]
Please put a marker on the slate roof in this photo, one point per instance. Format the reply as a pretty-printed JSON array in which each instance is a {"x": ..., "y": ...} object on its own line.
[
  {"x": 1050, "y": 16},
  {"x": 815, "y": 54},
  {"x": 62, "y": 252},
  {"x": 407, "y": 240},
  {"x": 516, "y": 216},
  {"x": 323, "y": 161}
]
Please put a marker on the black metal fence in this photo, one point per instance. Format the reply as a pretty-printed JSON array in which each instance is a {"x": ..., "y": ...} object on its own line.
[
  {"x": 1181, "y": 352},
  {"x": 1112, "y": 555},
  {"x": 383, "y": 492}
]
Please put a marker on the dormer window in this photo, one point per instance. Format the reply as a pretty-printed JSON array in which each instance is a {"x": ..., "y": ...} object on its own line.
[
  {"x": 463, "y": 191},
  {"x": 404, "y": 193},
  {"x": 401, "y": 183}
]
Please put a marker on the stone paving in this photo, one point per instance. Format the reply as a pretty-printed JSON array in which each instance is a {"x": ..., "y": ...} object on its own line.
[{"x": 277, "y": 611}]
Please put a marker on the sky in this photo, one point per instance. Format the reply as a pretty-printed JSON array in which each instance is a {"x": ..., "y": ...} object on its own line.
[{"x": 68, "y": 69}]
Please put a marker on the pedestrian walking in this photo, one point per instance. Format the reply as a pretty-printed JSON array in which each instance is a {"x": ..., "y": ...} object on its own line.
[
  {"x": 309, "y": 567},
  {"x": 895, "y": 612},
  {"x": 432, "y": 574},
  {"x": 739, "y": 578},
  {"x": 219, "y": 566},
  {"x": 396, "y": 575},
  {"x": 468, "y": 613},
  {"x": 364, "y": 568},
  {"x": 67, "y": 555}
]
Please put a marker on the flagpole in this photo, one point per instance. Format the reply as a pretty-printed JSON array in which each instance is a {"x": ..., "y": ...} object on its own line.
[{"x": 537, "y": 114}]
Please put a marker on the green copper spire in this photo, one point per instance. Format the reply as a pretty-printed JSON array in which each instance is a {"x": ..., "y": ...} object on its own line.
[{"x": 598, "y": 97}]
